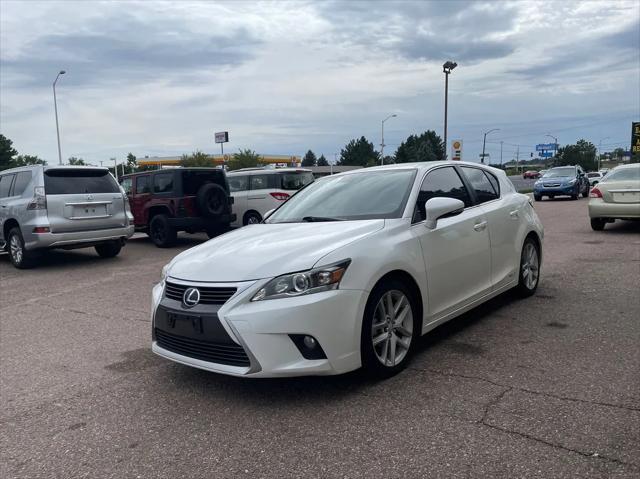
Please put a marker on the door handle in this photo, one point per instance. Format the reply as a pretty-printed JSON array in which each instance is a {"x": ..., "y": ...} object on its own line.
[
  {"x": 514, "y": 213},
  {"x": 480, "y": 226}
]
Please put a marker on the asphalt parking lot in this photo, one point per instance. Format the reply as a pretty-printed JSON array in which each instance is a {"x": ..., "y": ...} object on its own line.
[{"x": 543, "y": 387}]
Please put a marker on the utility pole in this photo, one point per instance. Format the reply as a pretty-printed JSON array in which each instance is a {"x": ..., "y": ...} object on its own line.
[
  {"x": 382, "y": 142},
  {"x": 518, "y": 159},
  {"x": 501, "y": 142},
  {"x": 484, "y": 141},
  {"x": 55, "y": 106},
  {"x": 446, "y": 68},
  {"x": 115, "y": 168}
]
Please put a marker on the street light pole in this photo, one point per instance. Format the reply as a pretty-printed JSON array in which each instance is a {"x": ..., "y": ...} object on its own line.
[
  {"x": 484, "y": 141},
  {"x": 382, "y": 143},
  {"x": 600, "y": 150},
  {"x": 446, "y": 68},
  {"x": 55, "y": 106},
  {"x": 555, "y": 146}
]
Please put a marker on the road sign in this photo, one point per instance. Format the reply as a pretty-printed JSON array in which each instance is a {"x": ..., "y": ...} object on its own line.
[
  {"x": 635, "y": 138},
  {"x": 222, "y": 137},
  {"x": 546, "y": 146},
  {"x": 545, "y": 154},
  {"x": 456, "y": 150}
]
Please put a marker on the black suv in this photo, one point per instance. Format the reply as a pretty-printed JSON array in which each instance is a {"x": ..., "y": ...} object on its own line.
[{"x": 164, "y": 202}]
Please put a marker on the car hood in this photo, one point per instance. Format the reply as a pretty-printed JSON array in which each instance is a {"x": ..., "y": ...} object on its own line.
[{"x": 267, "y": 250}]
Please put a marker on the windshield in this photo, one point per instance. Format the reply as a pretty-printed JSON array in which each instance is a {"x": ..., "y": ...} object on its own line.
[
  {"x": 359, "y": 196},
  {"x": 624, "y": 174},
  {"x": 557, "y": 172}
]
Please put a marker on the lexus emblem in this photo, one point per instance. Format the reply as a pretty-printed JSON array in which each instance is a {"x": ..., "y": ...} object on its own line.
[
  {"x": 191, "y": 297},
  {"x": 89, "y": 197}
]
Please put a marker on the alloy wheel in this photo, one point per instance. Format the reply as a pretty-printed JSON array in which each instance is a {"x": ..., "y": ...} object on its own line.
[
  {"x": 16, "y": 249},
  {"x": 392, "y": 328},
  {"x": 530, "y": 266}
]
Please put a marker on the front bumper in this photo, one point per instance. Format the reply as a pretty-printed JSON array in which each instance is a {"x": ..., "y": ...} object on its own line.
[
  {"x": 598, "y": 208},
  {"x": 73, "y": 239},
  {"x": 262, "y": 328},
  {"x": 555, "y": 190}
]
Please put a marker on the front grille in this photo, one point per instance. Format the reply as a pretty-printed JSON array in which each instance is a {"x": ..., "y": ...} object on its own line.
[
  {"x": 208, "y": 294},
  {"x": 213, "y": 352},
  {"x": 551, "y": 185}
]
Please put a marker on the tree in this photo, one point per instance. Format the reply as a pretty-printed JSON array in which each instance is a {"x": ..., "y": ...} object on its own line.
[
  {"x": 132, "y": 163},
  {"x": 583, "y": 153},
  {"x": 359, "y": 153},
  {"x": 309, "y": 159},
  {"x": 322, "y": 161},
  {"x": 7, "y": 152},
  {"x": 76, "y": 161},
  {"x": 26, "y": 160},
  {"x": 427, "y": 146},
  {"x": 197, "y": 158},
  {"x": 244, "y": 159}
]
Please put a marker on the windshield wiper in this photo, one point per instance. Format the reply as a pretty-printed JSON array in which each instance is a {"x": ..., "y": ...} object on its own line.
[{"x": 317, "y": 219}]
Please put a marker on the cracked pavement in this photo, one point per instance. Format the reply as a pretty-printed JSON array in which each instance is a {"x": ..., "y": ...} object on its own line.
[{"x": 543, "y": 387}]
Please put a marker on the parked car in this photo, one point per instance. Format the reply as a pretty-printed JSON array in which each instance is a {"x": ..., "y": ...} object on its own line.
[
  {"x": 617, "y": 196},
  {"x": 165, "y": 202},
  {"x": 258, "y": 190},
  {"x": 67, "y": 207},
  {"x": 604, "y": 171},
  {"x": 349, "y": 272},
  {"x": 594, "y": 177},
  {"x": 562, "y": 181},
  {"x": 531, "y": 174}
]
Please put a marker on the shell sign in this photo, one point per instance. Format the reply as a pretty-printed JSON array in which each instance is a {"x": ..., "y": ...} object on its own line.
[{"x": 456, "y": 150}]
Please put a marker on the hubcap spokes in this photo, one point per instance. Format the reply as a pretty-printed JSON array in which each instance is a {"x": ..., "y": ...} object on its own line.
[
  {"x": 16, "y": 249},
  {"x": 530, "y": 266},
  {"x": 392, "y": 328}
]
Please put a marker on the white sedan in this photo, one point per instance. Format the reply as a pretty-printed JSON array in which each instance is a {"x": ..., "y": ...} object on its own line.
[{"x": 349, "y": 272}]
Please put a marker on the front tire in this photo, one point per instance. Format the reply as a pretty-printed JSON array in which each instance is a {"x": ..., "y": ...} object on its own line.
[
  {"x": 18, "y": 254},
  {"x": 585, "y": 193},
  {"x": 529, "y": 272},
  {"x": 251, "y": 218},
  {"x": 109, "y": 250},
  {"x": 537, "y": 197},
  {"x": 597, "y": 224},
  {"x": 390, "y": 328},
  {"x": 161, "y": 232}
]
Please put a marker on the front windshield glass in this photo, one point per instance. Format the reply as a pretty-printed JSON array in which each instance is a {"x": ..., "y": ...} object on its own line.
[
  {"x": 357, "y": 196},
  {"x": 556, "y": 172},
  {"x": 624, "y": 174}
]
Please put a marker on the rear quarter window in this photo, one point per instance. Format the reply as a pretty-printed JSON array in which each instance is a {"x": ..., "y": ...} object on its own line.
[
  {"x": 80, "y": 181},
  {"x": 22, "y": 180},
  {"x": 295, "y": 181}
]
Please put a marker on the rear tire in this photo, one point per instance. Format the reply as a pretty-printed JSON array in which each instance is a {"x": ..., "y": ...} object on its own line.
[
  {"x": 529, "y": 271},
  {"x": 18, "y": 254},
  {"x": 597, "y": 224},
  {"x": 161, "y": 232},
  {"x": 251, "y": 218},
  {"x": 394, "y": 334},
  {"x": 109, "y": 250},
  {"x": 585, "y": 193}
]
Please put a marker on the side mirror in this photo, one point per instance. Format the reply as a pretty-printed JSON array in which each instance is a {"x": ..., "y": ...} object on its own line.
[
  {"x": 268, "y": 213},
  {"x": 436, "y": 208}
]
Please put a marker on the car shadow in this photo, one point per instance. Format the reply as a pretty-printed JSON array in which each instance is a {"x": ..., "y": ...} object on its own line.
[{"x": 277, "y": 392}]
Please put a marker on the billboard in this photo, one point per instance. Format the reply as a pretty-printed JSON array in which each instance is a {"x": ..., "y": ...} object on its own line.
[
  {"x": 456, "y": 150},
  {"x": 222, "y": 137},
  {"x": 635, "y": 138},
  {"x": 546, "y": 146}
]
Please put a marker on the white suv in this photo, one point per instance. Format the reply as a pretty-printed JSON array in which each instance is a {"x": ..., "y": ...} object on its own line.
[{"x": 256, "y": 191}]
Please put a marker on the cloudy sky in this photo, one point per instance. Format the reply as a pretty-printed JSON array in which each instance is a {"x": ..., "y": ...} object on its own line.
[{"x": 159, "y": 78}]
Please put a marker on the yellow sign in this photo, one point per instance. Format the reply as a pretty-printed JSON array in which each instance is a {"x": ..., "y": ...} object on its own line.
[
  {"x": 456, "y": 150},
  {"x": 635, "y": 138}
]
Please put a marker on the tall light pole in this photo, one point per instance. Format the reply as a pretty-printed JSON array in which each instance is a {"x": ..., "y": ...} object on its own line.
[
  {"x": 600, "y": 149},
  {"x": 382, "y": 142},
  {"x": 555, "y": 146},
  {"x": 55, "y": 106},
  {"x": 446, "y": 68},
  {"x": 484, "y": 141}
]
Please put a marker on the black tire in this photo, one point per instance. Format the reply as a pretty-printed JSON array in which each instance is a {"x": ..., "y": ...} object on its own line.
[
  {"x": 585, "y": 193},
  {"x": 214, "y": 231},
  {"x": 161, "y": 232},
  {"x": 574, "y": 196},
  {"x": 552, "y": 197},
  {"x": 525, "y": 287},
  {"x": 537, "y": 197},
  {"x": 109, "y": 250},
  {"x": 18, "y": 254},
  {"x": 251, "y": 218},
  {"x": 597, "y": 224},
  {"x": 212, "y": 200},
  {"x": 370, "y": 362}
]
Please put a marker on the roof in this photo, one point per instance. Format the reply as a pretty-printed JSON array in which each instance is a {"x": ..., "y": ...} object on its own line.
[{"x": 269, "y": 170}]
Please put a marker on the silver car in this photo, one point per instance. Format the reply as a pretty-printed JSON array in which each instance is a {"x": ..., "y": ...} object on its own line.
[{"x": 45, "y": 207}]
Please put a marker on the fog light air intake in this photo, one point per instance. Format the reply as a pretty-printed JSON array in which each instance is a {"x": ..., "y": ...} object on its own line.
[{"x": 308, "y": 346}]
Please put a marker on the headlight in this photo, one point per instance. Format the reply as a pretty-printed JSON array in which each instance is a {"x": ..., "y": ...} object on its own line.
[
  {"x": 306, "y": 282},
  {"x": 165, "y": 272},
  {"x": 537, "y": 183},
  {"x": 571, "y": 182}
]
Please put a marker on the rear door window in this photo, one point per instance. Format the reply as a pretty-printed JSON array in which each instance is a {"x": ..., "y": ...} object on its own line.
[
  {"x": 5, "y": 185},
  {"x": 481, "y": 185},
  {"x": 259, "y": 182},
  {"x": 163, "y": 183},
  {"x": 143, "y": 185},
  {"x": 71, "y": 181},
  {"x": 22, "y": 180},
  {"x": 126, "y": 184},
  {"x": 295, "y": 181},
  {"x": 238, "y": 183}
]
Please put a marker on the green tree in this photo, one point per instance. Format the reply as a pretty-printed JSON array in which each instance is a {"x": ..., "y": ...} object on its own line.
[
  {"x": 26, "y": 160},
  {"x": 7, "y": 152},
  {"x": 309, "y": 159},
  {"x": 583, "y": 153},
  {"x": 76, "y": 161},
  {"x": 322, "y": 161},
  {"x": 427, "y": 146},
  {"x": 132, "y": 163},
  {"x": 197, "y": 158},
  {"x": 244, "y": 159},
  {"x": 359, "y": 153}
]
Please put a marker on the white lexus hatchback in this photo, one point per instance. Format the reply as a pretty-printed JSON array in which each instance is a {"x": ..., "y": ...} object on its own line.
[{"x": 349, "y": 272}]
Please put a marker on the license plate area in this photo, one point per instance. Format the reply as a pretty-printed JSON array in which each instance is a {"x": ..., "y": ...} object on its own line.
[
  {"x": 203, "y": 327},
  {"x": 89, "y": 211},
  {"x": 626, "y": 197}
]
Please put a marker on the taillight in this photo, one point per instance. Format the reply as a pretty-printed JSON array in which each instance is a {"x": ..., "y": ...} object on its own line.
[
  {"x": 41, "y": 229},
  {"x": 280, "y": 196},
  {"x": 39, "y": 200},
  {"x": 595, "y": 193}
]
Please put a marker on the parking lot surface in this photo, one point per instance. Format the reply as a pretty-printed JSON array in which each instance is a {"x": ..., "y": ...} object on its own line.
[{"x": 543, "y": 387}]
